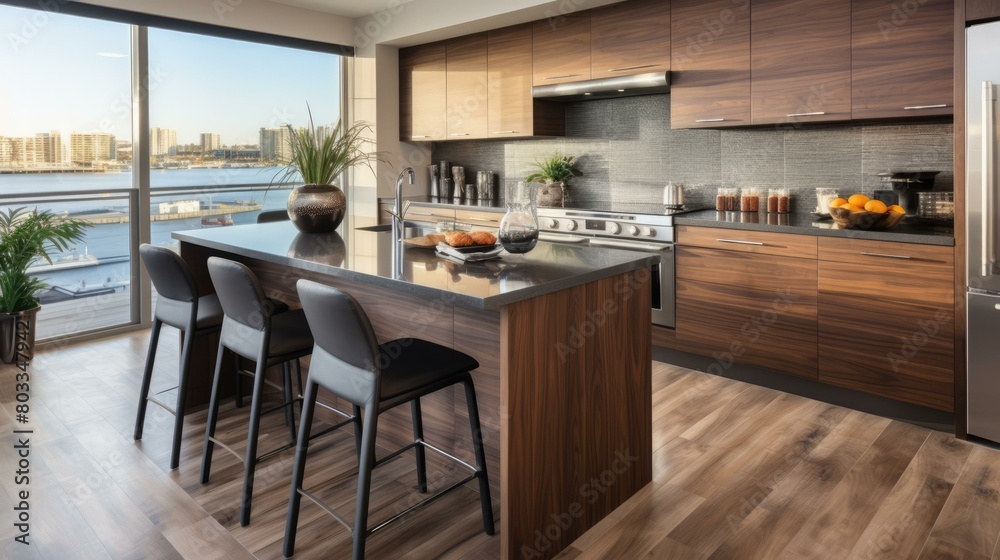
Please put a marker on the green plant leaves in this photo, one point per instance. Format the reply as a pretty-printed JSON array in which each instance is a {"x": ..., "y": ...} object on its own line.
[{"x": 555, "y": 169}]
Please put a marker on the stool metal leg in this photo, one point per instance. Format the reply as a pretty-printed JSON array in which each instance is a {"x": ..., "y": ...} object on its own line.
[
  {"x": 365, "y": 479},
  {"x": 299, "y": 469},
  {"x": 286, "y": 381},
  {"x": 250, "y": 461},
  {"x": 358, "y": 430},
  {"x": 418, "y": 434},
  {"x": 477, "y": 444},
  {"x": 239, "y": 380},
  {"x": 175, "y": 450},
  {"x": 213, "y": 418},
  {"x": 147, "y": 376}
]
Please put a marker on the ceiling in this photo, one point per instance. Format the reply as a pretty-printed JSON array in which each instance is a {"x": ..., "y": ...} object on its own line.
[{"x": 347, "y": 8}]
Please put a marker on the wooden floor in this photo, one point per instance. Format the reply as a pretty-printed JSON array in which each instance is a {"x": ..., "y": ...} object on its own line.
[{"x": 739, "y": 472}]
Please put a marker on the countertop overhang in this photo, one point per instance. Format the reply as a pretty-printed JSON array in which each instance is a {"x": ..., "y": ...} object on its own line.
[{"x": 372, "y": 258}]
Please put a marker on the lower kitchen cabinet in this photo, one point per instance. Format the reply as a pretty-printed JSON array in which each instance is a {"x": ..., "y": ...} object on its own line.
[{"x": 887, "y": 319}]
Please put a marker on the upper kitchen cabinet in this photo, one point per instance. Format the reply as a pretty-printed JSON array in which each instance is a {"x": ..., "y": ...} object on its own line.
[
  {"x": 976, "y": 10},
  {"x": 423, "y": 85},
  {"x": 467, "y": 87},
  {"x": 561, "y": 49},
  {"x": 710, "y": 63},
  {"x": 512, "y": 112},
  {"x": 632, "y": 37},
  {"x": 903, "y": 58},
  {"x": 800, "y": 60}
]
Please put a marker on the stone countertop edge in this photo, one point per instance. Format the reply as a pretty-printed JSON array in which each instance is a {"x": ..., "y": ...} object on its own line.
[
  {"x": 490, "y": 303},
  {"x": 708, "y": 219}
]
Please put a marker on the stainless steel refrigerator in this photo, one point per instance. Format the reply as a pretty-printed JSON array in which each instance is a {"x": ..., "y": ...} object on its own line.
[{"x": 982, "y": 81}]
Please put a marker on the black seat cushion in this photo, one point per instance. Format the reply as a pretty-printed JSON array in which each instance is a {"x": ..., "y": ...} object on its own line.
[
  {"x": 411, "y": 363},
  {"x": 290, "y": 333},
  {"x": 209, "y": 311}
]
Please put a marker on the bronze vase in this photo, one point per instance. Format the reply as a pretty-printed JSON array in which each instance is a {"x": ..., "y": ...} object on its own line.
[
  {"x": 317, "y": 208},
  {"x": 17, "y": 335}
]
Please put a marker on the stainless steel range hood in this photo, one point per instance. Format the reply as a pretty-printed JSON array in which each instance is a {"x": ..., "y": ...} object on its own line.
[{"x": 603, "y": 88}]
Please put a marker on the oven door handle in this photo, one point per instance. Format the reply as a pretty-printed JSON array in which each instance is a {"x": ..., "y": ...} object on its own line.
[
  {"x": 561, "y": 238},
  {"x": 632, "y": 245}
]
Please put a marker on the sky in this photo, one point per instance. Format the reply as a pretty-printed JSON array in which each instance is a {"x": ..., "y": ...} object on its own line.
[{"x": 68, "y": 74}]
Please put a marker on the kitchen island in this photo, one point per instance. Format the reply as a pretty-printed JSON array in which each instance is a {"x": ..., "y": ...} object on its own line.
[{"x": 562, "y": 335}]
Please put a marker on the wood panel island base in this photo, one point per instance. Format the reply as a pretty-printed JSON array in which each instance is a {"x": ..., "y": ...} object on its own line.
[{"x": 562, "y": 335}]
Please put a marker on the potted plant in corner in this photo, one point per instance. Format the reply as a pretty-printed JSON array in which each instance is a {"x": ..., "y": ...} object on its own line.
[
  {"x": 26, "y": 236},
  {"x": 319, "y": 159},
  {"x": 554, "y": 173}
]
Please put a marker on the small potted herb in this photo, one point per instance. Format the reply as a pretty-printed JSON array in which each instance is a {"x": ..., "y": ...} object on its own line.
[{"x": 554, "y": 173}]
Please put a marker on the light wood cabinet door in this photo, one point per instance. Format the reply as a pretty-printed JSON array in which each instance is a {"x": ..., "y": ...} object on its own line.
[
  {"x": 512, "y": 112},
  {"x": 468, "y": 87},
  {"x": 710, "y": 63},
  {"x": 800, "y": 61},
  {"x": 561, "y": 49},
  {"x": 886, "y": 320},
  {"x": 902, "y": 58},
  {"x": 631, "y": 37},
  {"x": 423, "y": 93}
]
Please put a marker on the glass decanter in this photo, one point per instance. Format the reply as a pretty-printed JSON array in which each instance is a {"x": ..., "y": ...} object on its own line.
[{"x": 519, "y": 226}]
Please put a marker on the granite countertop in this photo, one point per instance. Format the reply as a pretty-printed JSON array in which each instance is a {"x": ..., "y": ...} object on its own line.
[
  {"x": 808, "y": 224},
  {"x": 372, "y": 258}
]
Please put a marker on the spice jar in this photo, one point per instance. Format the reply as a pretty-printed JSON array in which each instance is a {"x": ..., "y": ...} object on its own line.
[
  {"x": 727, "y": 200},
  {"x": 750, "y": 200},
  {"x": 784, "y": 201},
  {"x": 772, "y": 201}
]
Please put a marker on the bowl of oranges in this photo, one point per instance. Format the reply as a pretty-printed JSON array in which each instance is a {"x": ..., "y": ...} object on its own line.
[{"x": 861, "y": 212}]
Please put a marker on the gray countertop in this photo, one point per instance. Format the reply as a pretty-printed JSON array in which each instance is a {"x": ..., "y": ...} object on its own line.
[
  {"x": 371, "y": 258},
  {"x": 807, "y": 224}
]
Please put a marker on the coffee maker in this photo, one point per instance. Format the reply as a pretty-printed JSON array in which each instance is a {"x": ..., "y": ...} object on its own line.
[{"x": 907, "y": 184}]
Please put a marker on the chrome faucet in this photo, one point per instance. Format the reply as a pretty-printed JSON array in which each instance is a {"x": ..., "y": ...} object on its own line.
[{"x": 398, "y": 225}]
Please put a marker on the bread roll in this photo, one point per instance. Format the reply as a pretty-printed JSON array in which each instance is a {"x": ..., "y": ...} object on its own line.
[
  {"x": 458, "y": 239},
  {"x": 483, "y": 238}
]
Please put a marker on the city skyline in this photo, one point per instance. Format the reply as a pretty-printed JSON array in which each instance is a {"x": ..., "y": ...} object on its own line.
[{"x": 197, "y": 83}]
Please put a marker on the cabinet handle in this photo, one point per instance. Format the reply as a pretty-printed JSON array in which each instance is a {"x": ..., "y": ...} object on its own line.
[
  {"x": 561, "y": 76},
  {"x": 420, "y": 136},
  {"x": 460, "y": 134},
  {"x": 917, "y": 107},
  {"x": 475, "y": 219},
  {"x": 812, "y": 114},
  {"x": 738, "y": 242},
  {"x": 624, "y": 68},
  {"x": 885, "y": 255},
  {"x": 709, "y": 120},
  {"x": 506, "y": 132}
]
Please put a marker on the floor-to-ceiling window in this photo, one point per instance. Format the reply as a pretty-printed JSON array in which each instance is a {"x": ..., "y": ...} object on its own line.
[{"x": 218, "y": 116}]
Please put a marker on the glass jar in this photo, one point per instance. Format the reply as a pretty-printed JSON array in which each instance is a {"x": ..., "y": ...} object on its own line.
[
  {"x": 784, "y": 201},
  {"x": 824, "y": 197},
  {"x": 727, "y": 200},
  {"x": 772, "y": 200},
  {"x": 750, "y": 200},
  {"x": 519, "y": 226}
]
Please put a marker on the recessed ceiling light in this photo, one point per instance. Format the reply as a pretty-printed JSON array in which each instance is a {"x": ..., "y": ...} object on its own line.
[
  {"x": 587, "y": 93},
  {"x": 621, "y": 91},
  {"x": 112, "y": 55}
]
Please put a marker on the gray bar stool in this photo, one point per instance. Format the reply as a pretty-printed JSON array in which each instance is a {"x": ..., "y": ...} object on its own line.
[
  {"x": 251, "y": 329},
  {"x": 348, "y": 361},
  {"x": 178, "y": 306},
  {"x": 271, "y": 216}
]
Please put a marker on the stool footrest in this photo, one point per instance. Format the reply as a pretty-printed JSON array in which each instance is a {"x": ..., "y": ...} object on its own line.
[
  {"x": 227, "y": 448},
  {"x": 280, "y": 407},
  {"x": 331, "y": 408},
  {"x": 421, "y": 504},
  {"x": 448, "y": 455},
  {"x": 270, "y": 454},
  {"x": 327, "y": 509},
  {"x": 162, "y": 405}
]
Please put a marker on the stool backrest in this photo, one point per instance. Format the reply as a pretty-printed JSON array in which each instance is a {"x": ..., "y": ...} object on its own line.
[
  {"x": 170, "y": 274},
  {"x": 240, "y": 293},
  {"x": 272, "y": 216},
  {"x": 342, "y": 330}
]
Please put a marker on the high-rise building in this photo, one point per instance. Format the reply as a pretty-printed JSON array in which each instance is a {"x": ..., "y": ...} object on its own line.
[
  {"x": 43, "y": 148},
  {"x": 162, "y": 142},
  {"x": 86, "y": 148},
  {"x": 275, "y": 144},
  {"x": 210, "y": 142}
]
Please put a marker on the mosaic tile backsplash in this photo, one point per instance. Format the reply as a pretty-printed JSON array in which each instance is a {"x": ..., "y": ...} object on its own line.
[{"x": 628, "y": 152}]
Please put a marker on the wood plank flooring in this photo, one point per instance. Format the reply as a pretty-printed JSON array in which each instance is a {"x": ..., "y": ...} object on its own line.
[{"x": 740, "y": 472}]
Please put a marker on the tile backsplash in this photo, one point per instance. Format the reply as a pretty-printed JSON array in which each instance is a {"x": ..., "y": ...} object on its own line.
[{"x": 628, "y": 152}]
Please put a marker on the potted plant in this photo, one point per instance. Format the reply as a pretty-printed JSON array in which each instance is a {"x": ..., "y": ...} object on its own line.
[
  {"x": 319, "y": 159},
  {"x": 26, "y": 236},
  {"x": 554, "y": 173}
]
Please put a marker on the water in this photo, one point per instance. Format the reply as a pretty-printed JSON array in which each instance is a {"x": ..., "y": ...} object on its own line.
[{"x": 110, "y": 242}]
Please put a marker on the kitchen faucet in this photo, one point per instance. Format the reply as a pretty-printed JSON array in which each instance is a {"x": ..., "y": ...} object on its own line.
[{"x": 398, "y": 224}]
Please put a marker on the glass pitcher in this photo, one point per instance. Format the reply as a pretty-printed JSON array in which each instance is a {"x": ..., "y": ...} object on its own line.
[{"x": 519, "y": 226}]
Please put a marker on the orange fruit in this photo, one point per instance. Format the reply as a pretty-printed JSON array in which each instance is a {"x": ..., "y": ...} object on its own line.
[
  {"x": 852, "y": 208},
  {"x": 897, "y": 209},
  {"x": 858, "y": 200},
  {"x": 837, "y": 203},
  {"x": 876, "y": 206}
]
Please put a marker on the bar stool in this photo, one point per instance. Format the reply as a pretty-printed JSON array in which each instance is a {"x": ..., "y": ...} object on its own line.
[
  {"x": 348, "y": 361},
  {"x": 178, "y": 306},
  {"x": 271, "y": 216},
  {"x": 252, "y": 330}
]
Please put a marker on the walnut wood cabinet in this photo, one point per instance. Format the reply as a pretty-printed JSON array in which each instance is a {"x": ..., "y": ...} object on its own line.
[
  {"x": 871, "y": 316},
  {"x": 709, "y": 63},
  {"x": 629, "y": 38},
  {"x": 800, "y": 61},
  {"x": 902, "y": 58},
  {"x": 467, "y": 87},
  {"x": 886, "y": 319},
  {"x": 423, "y": 104},
  {"x": 512, "y": 112},
  {"x": 561, "y": 48},
  {"x": 980, "y": 10}
]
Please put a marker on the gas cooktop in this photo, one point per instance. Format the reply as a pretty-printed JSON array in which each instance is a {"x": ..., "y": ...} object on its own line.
[{"x": 635, "y": 208}]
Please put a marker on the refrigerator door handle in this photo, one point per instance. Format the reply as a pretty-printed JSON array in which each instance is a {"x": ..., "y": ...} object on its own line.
[{"x": 989, "y": 137}]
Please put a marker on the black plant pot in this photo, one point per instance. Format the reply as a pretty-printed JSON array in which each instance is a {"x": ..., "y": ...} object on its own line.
[
  {"x": 317, "y": 208},
  {"x": 17, "y": 336}
]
